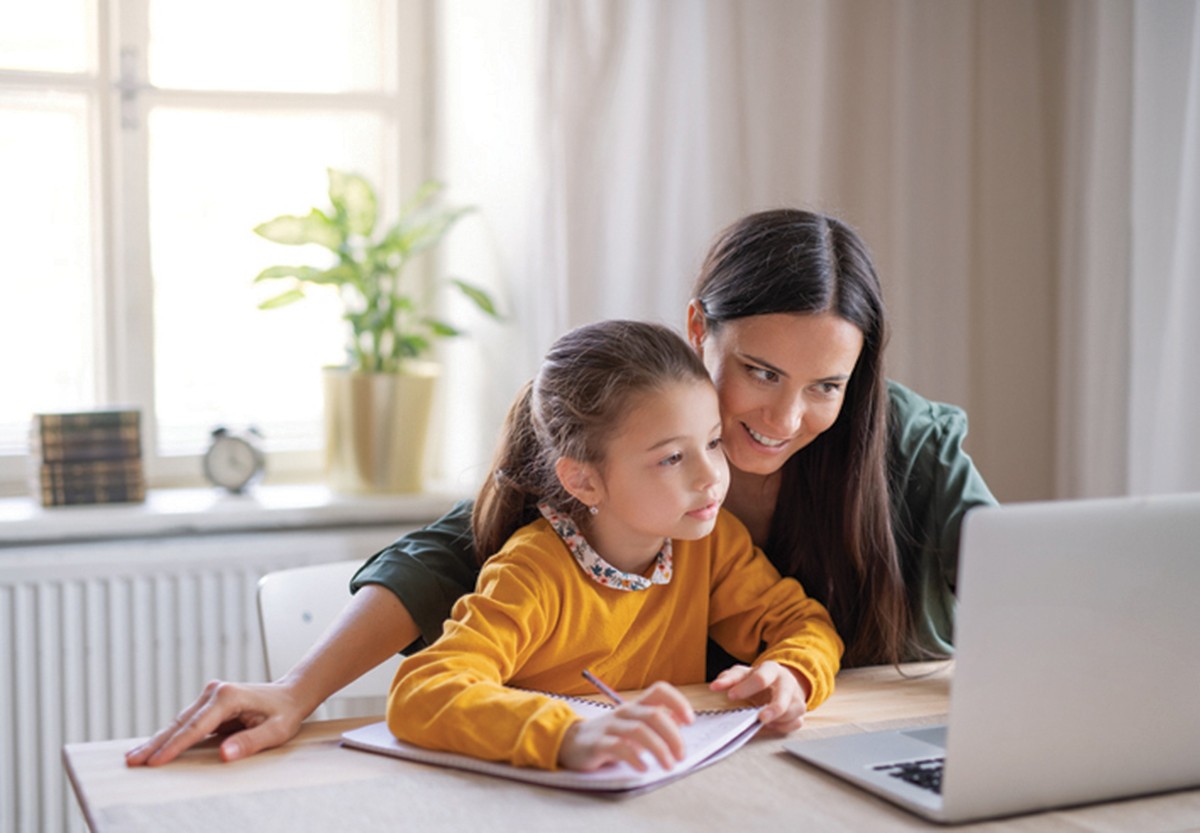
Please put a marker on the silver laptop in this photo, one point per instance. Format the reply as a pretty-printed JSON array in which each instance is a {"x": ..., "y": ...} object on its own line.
[{"x": 1077, "y": 672}]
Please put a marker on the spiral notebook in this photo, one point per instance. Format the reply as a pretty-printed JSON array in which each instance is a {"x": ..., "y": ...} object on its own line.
[{"x": 711, "y": 737}]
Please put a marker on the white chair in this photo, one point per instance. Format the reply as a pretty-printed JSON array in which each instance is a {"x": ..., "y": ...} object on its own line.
[{"x": 295, "y": 606}]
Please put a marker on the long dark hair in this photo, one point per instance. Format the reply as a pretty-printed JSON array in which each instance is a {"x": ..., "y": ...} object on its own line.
[
  {"x": 832, "y": 526},
  {"x": 571, "y": 409}
]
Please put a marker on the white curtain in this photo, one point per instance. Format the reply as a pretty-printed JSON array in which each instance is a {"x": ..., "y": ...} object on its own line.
[
  {"x": 1093, "y": 344},
  {"x": 1164, "y": 448},
  {"x": 982, "y": 149}
]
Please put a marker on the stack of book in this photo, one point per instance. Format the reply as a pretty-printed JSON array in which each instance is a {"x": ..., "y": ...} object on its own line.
[{"x": 88, "y": 457}]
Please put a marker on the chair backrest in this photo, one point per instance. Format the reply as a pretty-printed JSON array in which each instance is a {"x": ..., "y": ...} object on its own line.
[{"x": 295, "y": 606}]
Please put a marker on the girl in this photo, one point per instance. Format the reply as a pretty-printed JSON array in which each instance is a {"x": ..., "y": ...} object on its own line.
[{"x": 607, "y": 487}]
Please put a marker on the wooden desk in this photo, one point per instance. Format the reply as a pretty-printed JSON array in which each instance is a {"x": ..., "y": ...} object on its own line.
[{"x": 315, "y": 784}]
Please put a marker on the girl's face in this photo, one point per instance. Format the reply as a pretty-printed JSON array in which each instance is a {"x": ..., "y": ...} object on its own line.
[
  {"x": 663, "y": 475},
  {"x": 781, "y": 379}
]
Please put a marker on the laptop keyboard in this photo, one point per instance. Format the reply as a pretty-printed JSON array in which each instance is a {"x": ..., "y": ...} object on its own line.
[{"x": 925, "y": 773}]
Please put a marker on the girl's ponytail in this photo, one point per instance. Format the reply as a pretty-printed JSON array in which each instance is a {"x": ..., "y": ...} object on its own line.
[{"x": 505, "y": 502}]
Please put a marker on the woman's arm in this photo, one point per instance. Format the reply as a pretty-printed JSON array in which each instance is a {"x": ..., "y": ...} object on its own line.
[
  {"x": 429, "y": 568},
  {"x": 258, "y": 716},
  {"x": 933, "y": 484}
]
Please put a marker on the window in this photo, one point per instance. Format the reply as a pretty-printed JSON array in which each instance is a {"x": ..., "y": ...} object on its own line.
[{"x": 140, "y": 143}]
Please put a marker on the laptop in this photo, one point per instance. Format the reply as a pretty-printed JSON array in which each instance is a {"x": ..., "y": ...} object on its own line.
[{"x": 1077, "y": 669}]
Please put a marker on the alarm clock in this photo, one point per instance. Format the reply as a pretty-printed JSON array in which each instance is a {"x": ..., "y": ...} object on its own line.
[{"x": 233, "y": 459}]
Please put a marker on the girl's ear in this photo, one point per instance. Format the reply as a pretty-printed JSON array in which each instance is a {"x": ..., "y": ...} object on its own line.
[
  {"x": 696, "y": 329},
  {"x": 581, "y": 480}
]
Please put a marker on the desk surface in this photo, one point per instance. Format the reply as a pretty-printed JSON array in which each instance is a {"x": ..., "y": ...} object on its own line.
[{"x": 315, "y": 784}]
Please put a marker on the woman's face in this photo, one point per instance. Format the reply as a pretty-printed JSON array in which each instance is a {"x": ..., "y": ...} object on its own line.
[{"x": 781, "y": 380}]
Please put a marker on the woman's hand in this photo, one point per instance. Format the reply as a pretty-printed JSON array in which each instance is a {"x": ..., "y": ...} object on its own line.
[
  {"x": 374, "y": 626},
  {"x": 648, "y": 724},
  {"x": 255, "y": 716},
  {"x": 783, "y": 691}
]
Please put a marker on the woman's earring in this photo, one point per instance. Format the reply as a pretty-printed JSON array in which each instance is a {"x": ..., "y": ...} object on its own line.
[{"x": 595, "y": 510}]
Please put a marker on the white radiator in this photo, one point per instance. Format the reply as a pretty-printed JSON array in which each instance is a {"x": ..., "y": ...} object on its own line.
[{"x": 111, "y": 639}]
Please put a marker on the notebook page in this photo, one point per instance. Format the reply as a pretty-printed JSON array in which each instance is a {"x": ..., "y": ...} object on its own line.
[{"x": 711, "y": 737}]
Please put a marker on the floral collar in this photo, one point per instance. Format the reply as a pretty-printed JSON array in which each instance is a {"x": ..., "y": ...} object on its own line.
[{"x": 599, "y": 570}]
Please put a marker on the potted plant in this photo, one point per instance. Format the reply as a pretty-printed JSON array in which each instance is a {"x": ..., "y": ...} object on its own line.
[{"x": 377, "y": 406}]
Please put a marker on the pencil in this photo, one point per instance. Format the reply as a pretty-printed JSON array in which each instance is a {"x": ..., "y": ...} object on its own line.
[{"x": 603, "y": 687}]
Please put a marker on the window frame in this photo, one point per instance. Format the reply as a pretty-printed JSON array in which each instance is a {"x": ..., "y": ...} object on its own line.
[{"x": 120, "y": 99}]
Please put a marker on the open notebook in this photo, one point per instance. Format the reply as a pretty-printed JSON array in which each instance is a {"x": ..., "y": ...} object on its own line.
[{"x": 713, "y": 735}]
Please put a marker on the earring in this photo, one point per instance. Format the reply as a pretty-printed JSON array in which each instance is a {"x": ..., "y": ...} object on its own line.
[{"x": 595, "y": 510}]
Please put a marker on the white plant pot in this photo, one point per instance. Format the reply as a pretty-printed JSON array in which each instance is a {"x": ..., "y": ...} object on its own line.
[{"x": 377, "y": 428}]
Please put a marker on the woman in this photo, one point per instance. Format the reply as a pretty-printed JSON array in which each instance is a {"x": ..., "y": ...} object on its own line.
[{"x": 852, "y": 484}]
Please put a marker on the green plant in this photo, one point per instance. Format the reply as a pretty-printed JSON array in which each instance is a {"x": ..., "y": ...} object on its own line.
[{"x": 386, "y": 305}]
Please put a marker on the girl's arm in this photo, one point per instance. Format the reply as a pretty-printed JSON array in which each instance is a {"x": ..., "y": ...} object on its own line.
[
  {"x": 454, "y": 695},
  {"x": 750, "y": 606},
  {"x": 258, "y": 716}
]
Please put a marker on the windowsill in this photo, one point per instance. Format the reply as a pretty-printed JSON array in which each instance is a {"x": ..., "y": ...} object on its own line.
[{"x": 207, "y": 510}]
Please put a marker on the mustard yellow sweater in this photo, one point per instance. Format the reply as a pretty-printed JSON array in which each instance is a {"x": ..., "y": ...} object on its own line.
[{"x": 536, "y": 621}]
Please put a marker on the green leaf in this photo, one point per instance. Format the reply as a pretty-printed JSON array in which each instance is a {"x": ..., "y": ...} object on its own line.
[
  {"x": 410, "y": 345},
  {"x": 416, "y": 234},
  {"x": 303, "y": 273},
  {"x": 441, "y": 328},
  {"x": 282, "y": 300},
  {"x": 339, "y": 275},
  {"x": 291, "y": 230},
  {"x": 354, "y": 198},
  {"x": 429, "y": 189},
  {"x": 480, "y": 297},
  {"x": 357, "y": 321}
]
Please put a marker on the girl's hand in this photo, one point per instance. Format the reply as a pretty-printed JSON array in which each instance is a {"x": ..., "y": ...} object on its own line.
[
  {"x": 648, "y": 724},
  {"x": 784, "y": 692}
]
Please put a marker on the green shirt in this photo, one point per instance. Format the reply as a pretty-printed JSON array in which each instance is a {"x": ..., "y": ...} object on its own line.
[
  {"x": 932, "y": 480},
  {"x": 933, "y": 483}
]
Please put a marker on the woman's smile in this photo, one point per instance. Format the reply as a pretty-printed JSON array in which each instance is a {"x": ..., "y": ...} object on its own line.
[{"x": 762, "y": 439}]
